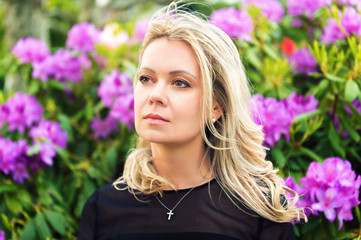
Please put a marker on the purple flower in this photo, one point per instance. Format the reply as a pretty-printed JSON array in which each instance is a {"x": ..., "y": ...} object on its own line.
[
  {"x": 51, "y": 131},
  {"x": 303, "y": 61},
  {"x": 2, "y": 235},
  {"x": 46, "y": 135},
  {"x": 141, "y": 28},
  {"x": 276, "y": 116},
  {"x": 82, "y": 37},
  {"x": 112, "y": 36},
  {"x": 328, "y": 201},
  {"x": 271, "y": 8},
  {"x": 102, "y": 128},
  {"x": 333, "y": 188},
  {"x": 30, "y": 50},
  {"x": 351, "y": 21},
  {"x": 114, "y": 85},
  {"x": 2, "y": 116},
  {"x": 356, "y": 3},
  {"x": 123, "y": 110},
  {"x": 302, "y": 201},
  {"x": 63, "y": 65},
  {"x": 273, "y": 117},
  {"x": 356, "y": 103},
  {"x": 13, "y": 158},
  {"x": 331, "y": 33},
  {"x": 7, "y": 155},
  {"x": 298, "y": 104},
  {"x": 21, "y": 111},
  {"x": 306, "y": 7},
  {"x": 235, "y": 23}
]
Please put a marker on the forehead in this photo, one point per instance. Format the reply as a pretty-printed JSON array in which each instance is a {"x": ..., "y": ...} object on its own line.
[{"x": 170, "y": 55}]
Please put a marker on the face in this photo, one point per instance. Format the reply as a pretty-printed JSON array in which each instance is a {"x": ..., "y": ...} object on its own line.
[{"x": 167, "y": 94}]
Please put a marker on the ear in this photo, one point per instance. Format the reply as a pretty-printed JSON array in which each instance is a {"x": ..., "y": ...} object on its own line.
[{"x": 217, "y": 111}]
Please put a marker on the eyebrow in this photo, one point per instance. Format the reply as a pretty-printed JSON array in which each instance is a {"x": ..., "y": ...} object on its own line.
[{"x": 172, "y": 72}]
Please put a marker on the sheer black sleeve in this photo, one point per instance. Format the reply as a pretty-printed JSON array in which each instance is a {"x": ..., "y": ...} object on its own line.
[
  {"x": 87, "y": 227},
  {"x": 280, "y": 231}
]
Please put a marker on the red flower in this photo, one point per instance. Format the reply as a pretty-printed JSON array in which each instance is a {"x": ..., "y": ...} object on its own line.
[{"x": 288, "y": 46}]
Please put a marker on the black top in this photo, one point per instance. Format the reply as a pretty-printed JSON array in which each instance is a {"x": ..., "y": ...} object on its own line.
[{"x": 205, "y": 213}]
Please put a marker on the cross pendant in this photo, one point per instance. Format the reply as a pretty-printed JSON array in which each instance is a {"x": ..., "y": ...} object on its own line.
[{"x": 170, "y": 213}]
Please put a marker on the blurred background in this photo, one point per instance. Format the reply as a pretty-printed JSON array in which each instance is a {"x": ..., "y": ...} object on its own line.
[{"x": 66, "y": 103}]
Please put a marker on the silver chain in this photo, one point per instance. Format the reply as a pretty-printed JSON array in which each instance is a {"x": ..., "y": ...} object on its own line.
[{"x": 170, "y": 213}]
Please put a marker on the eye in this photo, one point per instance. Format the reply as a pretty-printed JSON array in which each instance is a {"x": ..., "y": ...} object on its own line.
[
  {"x": 181, "y": 84},
  {"x": 144, "y": 79}
]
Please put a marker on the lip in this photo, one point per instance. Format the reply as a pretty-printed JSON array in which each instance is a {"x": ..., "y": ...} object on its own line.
[{"x": 155, "y": 119}]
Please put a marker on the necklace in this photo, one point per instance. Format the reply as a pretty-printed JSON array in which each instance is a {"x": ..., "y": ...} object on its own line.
[{"x": 171, "y": 213}]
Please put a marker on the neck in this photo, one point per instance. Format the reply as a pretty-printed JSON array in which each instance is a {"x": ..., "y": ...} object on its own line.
[{"x": 185, "y": 166}]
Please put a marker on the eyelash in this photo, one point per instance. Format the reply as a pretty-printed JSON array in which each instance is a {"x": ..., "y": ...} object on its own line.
[
  {"x": 144, "y": 79},
  {"x": 186, "y": 85}
]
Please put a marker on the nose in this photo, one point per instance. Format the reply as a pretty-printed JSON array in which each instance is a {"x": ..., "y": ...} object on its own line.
[{"x": 158, "y": 95}]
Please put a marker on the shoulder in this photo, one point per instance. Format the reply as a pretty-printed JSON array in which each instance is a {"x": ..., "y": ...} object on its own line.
[{"x": 110, "y": 195}]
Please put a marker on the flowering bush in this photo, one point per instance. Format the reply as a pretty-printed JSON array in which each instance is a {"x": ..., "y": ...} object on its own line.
[
  {"x": 330, "y": 187},
  {"x": 71, "y": 130}
]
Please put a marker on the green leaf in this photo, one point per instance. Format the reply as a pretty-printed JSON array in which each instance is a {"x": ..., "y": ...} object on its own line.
[
  {"x": 355, "y": 136},
  {"x": 308, "y": 115},
  {"x": 278, "y": 157},
  {"x": 7, "y": 188},
  {"x": 29, "y": 232},
  {"x": 33, "y": 150},
  {"x": 12, "y": 204},
  {"x": 110, "y": 160},
  {"x": 270, "y": 52},
  {"x": 42, "y": 227},
  {"x": 311, "y": 154},
  {"x": 66, "y": 125},
  {"x": 334, "y": 78},
  {"x": 312, "y": 224},
  {"x": 5, "y": 221},
  {"x": 336, "y": 142},
  {"x": 34, "y": 87},
  {"x": 251, "y": 56},
  {"x": 351, "y": 91},
  {"x": 57, "y": 221}
]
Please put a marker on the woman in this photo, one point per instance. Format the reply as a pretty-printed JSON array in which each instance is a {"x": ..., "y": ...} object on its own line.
[{"x": 199, "y": 169}]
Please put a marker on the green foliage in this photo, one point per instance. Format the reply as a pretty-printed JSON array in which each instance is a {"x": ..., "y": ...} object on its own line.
[{"x": 49, "y": 204}]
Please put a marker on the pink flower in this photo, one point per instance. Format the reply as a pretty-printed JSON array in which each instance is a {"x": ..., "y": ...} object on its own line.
[
  {"x": 351, "y": 21},
  {"x": 123, "y": 110},
  {"x": 51, "y": 131},
  {"x": 112, "y": 37},
  {"x": 333, "y": 188},
  {"x": 306, "y": 7},
  {"x": 102, "y": 128},
  {"x": 271, "y": 8},
  {"x": 83, "y": 37},
  {"x": 235, "y": 23},
  {"x": 114, "y": 84},
  {"x": 356, "y": 3},
  {"x": 331, "y": 33},
  {"x": 21, "y": 111},
  {"x": 303, "y": 61},
  {"x": 327, "y": 202},
  {"x": 276, "y": 116},
  {"x": 30, "y": 50},
  {"x": 63, "y": 66},
  {"x": 141, "y": 28}
]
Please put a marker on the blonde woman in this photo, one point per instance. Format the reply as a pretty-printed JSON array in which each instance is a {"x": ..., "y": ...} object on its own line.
[{"x": 199, "y": 169}]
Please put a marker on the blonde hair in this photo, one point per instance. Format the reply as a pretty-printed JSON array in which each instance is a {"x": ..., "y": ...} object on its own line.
[{"x": 234, "y": 141}]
